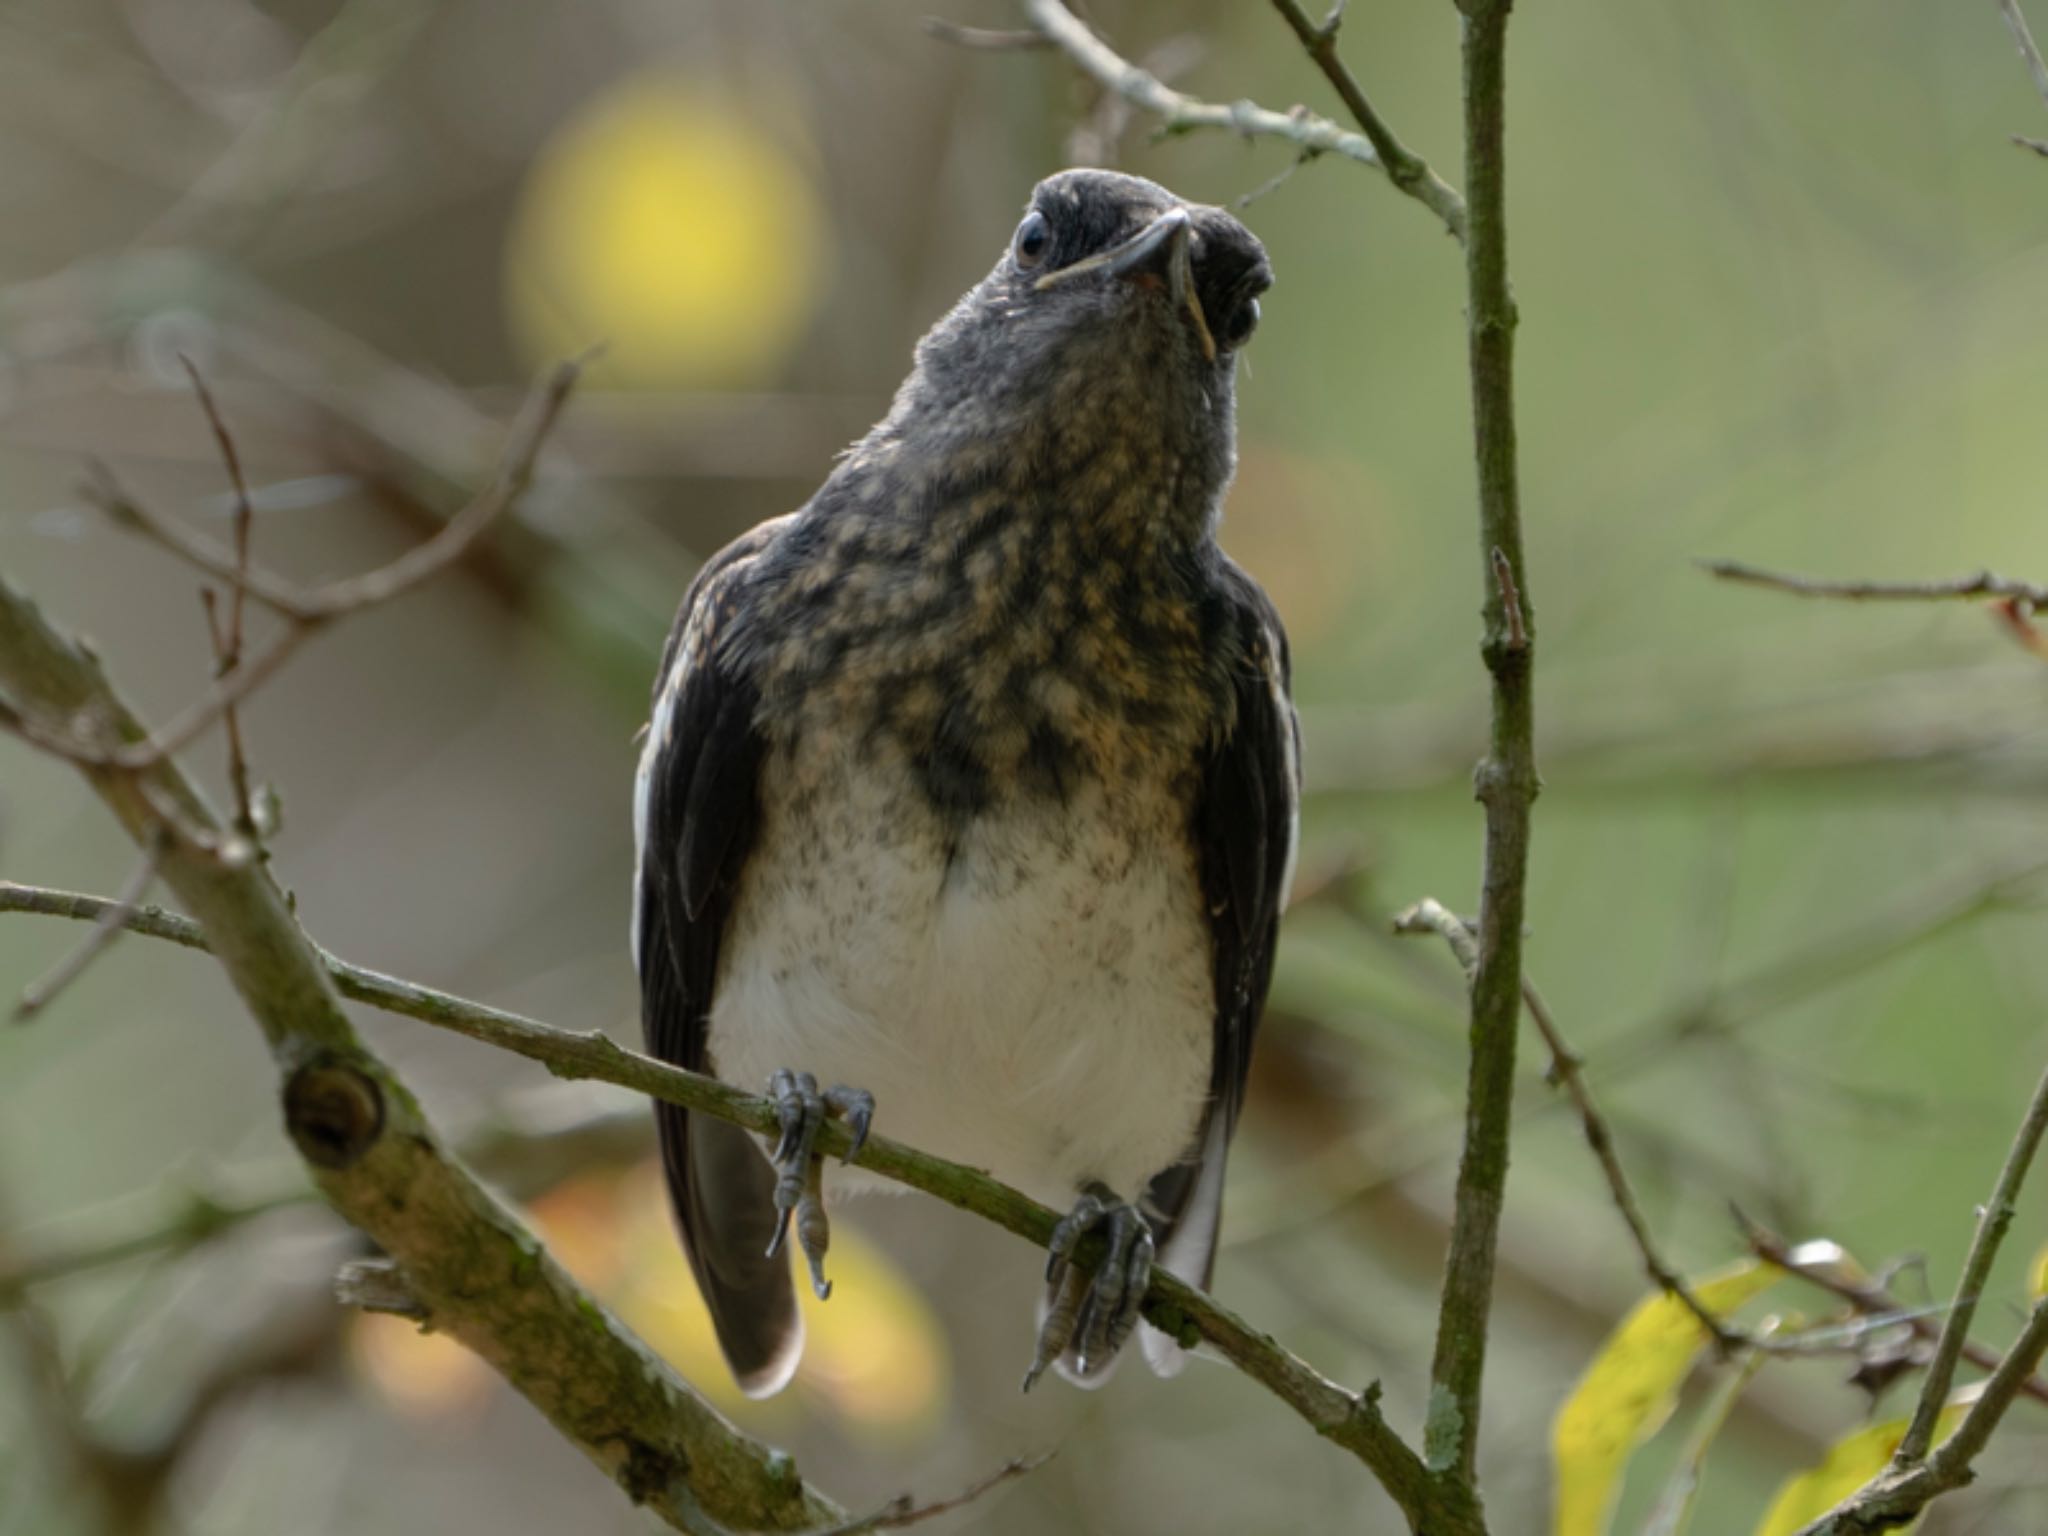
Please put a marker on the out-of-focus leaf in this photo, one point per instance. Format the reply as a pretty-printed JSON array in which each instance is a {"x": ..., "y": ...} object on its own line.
[
  {"x": 1850, "y": 1463},
  {"x": 2037, "y": 1275},
  {"x": 1673, "y": 1513},
  {"x": 1629, "y": 1391},
  {"x": 673, "y": 229}
]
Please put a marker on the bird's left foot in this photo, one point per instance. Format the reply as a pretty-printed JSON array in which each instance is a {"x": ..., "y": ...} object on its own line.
[
  {"x": 800, "y": 1173},
  {"x": 1090, "y": 1315}
]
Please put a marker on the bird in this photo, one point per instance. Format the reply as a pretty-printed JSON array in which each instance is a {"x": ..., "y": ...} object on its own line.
[{"x": 971, "y": 790}]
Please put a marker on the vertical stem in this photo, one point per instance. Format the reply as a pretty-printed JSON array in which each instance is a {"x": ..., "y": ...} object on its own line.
[{"x": 1506, "y": 780}]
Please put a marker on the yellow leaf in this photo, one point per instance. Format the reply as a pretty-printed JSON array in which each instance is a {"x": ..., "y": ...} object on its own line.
[
  {"x": 2037, "y": 1275},
  {"x": 1629, "y": 1390},
  {"x": 1850, "y": 1463},
  {"x": 668, "y": 223}
]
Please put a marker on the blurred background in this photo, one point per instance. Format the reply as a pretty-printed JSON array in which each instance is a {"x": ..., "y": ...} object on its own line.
[{"x": 1782, "y": 283}]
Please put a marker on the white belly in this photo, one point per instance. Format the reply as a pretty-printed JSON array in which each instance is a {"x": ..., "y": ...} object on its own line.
[{"x": 1039, "y": 1007}]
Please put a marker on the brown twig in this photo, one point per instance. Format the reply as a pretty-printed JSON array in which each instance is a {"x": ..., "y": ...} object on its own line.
[
  {"x": 107, "y": 927},
  {"x": 1408, "y": 171},
  {"x": 1983, "y": 584},
  {"x": 307, "y": 611},
  {"x": 1566, "y": 1069},
  {"x": 904, "y": 1511},
  {"x": 1865, "y": 1295},
  {"x": 227, "y": 637}
]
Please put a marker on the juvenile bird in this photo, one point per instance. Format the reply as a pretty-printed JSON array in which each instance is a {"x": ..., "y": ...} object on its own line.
[{"x": 972, "y": 786}]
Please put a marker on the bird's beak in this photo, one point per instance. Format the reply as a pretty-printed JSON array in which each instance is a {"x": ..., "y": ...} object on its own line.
[{"x": 1162, "y": 251}]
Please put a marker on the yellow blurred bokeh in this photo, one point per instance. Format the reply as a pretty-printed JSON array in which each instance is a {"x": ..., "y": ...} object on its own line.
[{"x": 672, "y": 231}]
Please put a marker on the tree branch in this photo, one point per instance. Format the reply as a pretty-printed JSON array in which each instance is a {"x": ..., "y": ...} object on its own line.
[
  {"x": 1505, "y": 781},
  {"x": 369, "y": 1148},
  {"x": 1351, "y": 1420},
  {"x": 1916, "y": 1477},
  {"x": 1180, "y": 113}
]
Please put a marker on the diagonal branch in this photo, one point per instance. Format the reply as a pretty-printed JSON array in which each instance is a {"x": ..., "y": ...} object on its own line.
[
  {"x": 1567, "y": 1069},
  {"x": 1408, "y": 171},
  {"x": 1349, "y": 1419},
  {"x": 1181, "y": 113},
  {"x": 1917, "y": 1476},
  {"x": 365, "y": 1142}
]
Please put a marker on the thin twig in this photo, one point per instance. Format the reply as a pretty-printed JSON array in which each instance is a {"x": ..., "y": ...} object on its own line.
[
  {"x": 227, "y": 638},
  {"x": 1566, "y": 1068},
  {"x": 904, "y": 1511},
  {"x": 1351, "y": 1420},
  {"x": 989, "y": 39},
  {"x": 1983, "y": 584},
  {"x": 1865, "y": 1295},
  {"x": 107, "y": 927},
  {"x": 1408, "y": 171},
  {"x": 307, "y": 611},
  {"x": 1180, "y": 113},
  {"x": 2016, "y": 23},
  {"x": 1992, "y": 1222}
]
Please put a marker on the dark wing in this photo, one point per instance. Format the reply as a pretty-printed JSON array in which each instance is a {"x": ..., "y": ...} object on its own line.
[
  {"x": 1246, "y": 817},
  {"x": 695, "y": 810}
]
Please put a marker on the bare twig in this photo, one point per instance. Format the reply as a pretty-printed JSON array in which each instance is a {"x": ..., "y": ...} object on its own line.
[
  {"x": 1983, "y": 584},
  {"x": 1566, "y": 1069},
  {"x": 1408, "y": 171},
  {"x": 308, "y": 611},
  {"x": 1180, "y": 113},
  {"x": 904, "y": 1511},
  {"x": 107, "y": 927},
  {"x": 1992, "y": 1222},
  {"x": 227, "y": 637},
  {"x": 2016, "y": 23},
  {"x": 1866, "y": 1296},
  {"x": 992, "y": 40}
]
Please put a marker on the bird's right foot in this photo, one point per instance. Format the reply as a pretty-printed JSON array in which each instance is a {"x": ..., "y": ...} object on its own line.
[{"x": 802, "y": 1110}]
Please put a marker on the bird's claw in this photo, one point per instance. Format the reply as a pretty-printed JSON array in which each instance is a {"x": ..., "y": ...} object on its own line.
[
  {"x": 1094, "y": 1313},
  {"x": 801, "y": 1111}
]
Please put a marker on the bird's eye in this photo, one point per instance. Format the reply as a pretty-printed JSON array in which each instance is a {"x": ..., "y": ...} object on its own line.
[
  {"x": 1033, "y": 241},
  {"x": 1238, "y": 329}
]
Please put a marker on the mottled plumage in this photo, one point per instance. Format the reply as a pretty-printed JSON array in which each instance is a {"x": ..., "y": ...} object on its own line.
[{"x": 973, "y": 783}]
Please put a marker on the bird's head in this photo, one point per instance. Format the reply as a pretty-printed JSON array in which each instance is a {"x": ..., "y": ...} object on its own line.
[{"x": 1108, "y": 331}]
